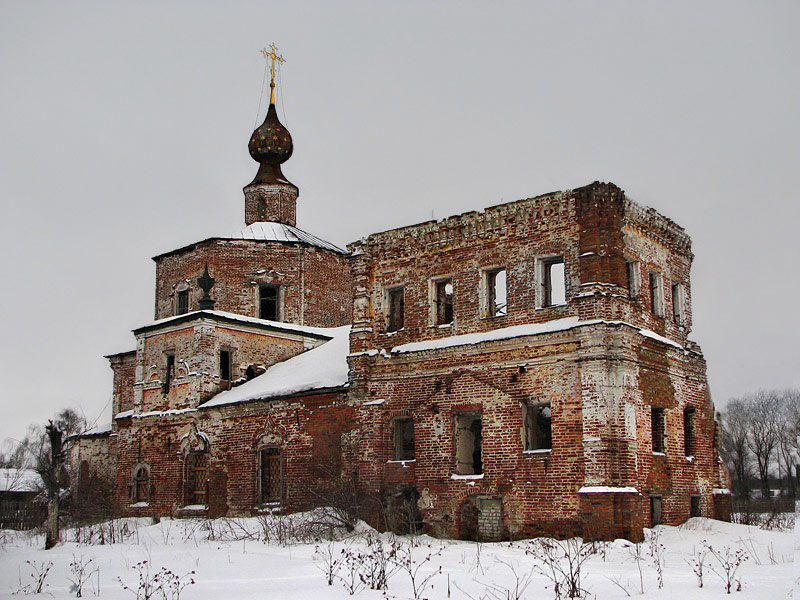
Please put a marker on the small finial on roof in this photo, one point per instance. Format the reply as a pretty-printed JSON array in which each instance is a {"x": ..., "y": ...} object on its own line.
[{"x": 206, "y": 282}]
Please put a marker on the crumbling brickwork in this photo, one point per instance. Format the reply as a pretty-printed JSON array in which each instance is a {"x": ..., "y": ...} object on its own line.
[{"x": 520, "y": 371}]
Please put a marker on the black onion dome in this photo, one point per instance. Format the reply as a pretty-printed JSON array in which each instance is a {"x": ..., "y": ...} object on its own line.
[{"x": 270, "y": 145}]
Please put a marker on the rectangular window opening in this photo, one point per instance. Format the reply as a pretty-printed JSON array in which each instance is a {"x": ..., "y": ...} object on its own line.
[
  {"x": 633, "y": 278},
  {"x": 396, "y": 303},
  {"x": 269, "y": 302},
  {"x": 495, "y": 286},
  {"x": 688, "y": 431},
  {"x": 469, "y": 442},
  {"x": 225, "y": 365},
  {"x": 270, "y": 475},
  {"x": 538, "y": 427},
  {"x": 183, "y": 303},
  {"x": 554, "y": 281},
  {"x": 657, "y": 426},
  {"x": 656, "y": 295},
  {"x": 403, "y": 439},
  {"x": 169, "y": 374},
  {"x": 444, "y": 301},
  {"x": 677, "y": 303}
]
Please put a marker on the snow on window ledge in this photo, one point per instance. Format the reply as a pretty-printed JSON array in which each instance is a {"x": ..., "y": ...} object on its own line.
[
  {"x": 195, "y": 507},
  {"x": 139, "y": 505},
  {"x": 540, "y": 451},
  {"x": 401, "y": 462},
  {"x": 690, "y": 458},
  {"x": 719, "y": 491},
  {"x": 659, "y": 453},
  {"x": 466, "y": 477},
  {"x": 605, "y": 489}
]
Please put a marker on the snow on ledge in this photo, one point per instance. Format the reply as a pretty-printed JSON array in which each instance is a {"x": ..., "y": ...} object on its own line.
[
  {"x": 377, "y": 402},
  {"x": 515, "y": 331},
  {"x": 139, "y": 505},
  {"x": 720, "y": 491},
  {"x": 605, "y": 489},
  {"x": 466, "y": 477}
]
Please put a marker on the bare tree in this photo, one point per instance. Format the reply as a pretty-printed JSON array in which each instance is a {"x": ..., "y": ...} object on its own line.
[
  {"x": 763, "y": 440},
  {"x": 735, "y": 448},
  {"x": 49, "y": 454}
]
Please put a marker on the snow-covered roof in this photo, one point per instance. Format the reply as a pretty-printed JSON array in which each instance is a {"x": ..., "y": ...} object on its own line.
[
  {"x": 316, "y": 332},
  {"x": 320, "y": 368},
  {"x": 19, "y": 480},
  {"x": 97, "y": 430},
  {"x": 519, "y": 331},
  {"x": 280, "y": 232}
]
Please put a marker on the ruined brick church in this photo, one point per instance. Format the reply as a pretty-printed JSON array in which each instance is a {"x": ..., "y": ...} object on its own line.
[{"x": 519, "y": 371}]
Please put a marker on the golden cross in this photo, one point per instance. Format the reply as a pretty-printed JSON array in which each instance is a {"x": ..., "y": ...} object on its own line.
[{"x": 273, "y": 56}]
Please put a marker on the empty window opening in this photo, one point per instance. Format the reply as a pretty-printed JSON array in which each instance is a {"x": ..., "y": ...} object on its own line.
[
  {"x": 269, "y": 475},
  {"x": 444, "y": 301},
  {"x": 225, "y": 365},
  {"x": 657, "y": 425},
  {"x": 656, "y": 294},
  {"x": 183, "y": 303},
  {"x": 169, "y": 373},
  {"x": 403, "y": 439},
  {"x": 141, "y": 484},
  {"x": 655, "y": 511},
  {"x": 633, "y": 278},
  {"x": 196, "y": 480},
  {"x": 554, "y": 282},
  {"x": 468, "y": 440},
  {"x": 396, "y": 302},
  {"x": 688, "y": 431},
  {"x": 538, "y": 427},
  {"x": 677, "y": 303},
  {"x": 495, "y": 284},
  {"x": 269, "y": 302},
  {"x": 694, "y": 510}
]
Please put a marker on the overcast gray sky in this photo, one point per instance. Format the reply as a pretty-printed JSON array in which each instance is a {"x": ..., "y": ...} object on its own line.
[{"x": 124, "y": 129}]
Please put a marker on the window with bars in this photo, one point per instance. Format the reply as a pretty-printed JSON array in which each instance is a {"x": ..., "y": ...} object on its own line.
[
  {"x": 182, "y": 304},
  {"x": 196, "y": 478},
  {"x": 269, "y": 475},
  {"x": 403, "y": 439},
  {"x": 657, "y": 428}
]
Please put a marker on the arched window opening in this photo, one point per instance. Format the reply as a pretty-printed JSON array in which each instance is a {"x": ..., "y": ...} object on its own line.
[{"x": 141, "y": 484}]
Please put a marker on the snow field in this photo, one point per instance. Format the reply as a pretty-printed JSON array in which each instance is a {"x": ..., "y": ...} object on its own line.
[{"x": 230, "y": 560}]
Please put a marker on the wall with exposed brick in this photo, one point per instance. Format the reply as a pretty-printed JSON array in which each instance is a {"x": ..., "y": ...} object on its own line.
[
  {"x": 124, "y": 367},
  {"x": 310, "y": 431},
  {"x": 315, "y": 283}
]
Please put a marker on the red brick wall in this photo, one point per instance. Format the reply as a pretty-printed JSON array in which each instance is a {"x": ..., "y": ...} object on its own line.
[
  {"x": 124, "y": 367},
  {"x": 315, "y": 283},
  {"x": 311, "y": 432}
]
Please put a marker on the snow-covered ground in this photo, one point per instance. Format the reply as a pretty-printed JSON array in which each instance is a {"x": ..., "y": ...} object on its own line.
[{"x": 229, "y": 559}]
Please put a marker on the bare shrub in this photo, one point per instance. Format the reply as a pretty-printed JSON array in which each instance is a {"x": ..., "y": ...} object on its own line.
[
  {"x": 405, "y": 561},
  {"x": 521, "y": 582},
  {"x": 656, "y": 551},
  {"x": 82, "y": 570},
  {"x": 561, "y": 563},
  {"x": 697, "y": 563},
  {"x": 728, "y": 563},
  {"x": 38, "y": 575},
  {"x": 164, "y": 583},
  {"x": 635, "y": 551},
  {"x": 113, "y": 531},
  {"x": 329, "y": 561}
]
